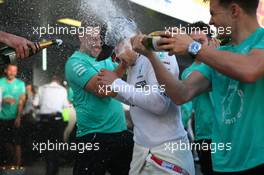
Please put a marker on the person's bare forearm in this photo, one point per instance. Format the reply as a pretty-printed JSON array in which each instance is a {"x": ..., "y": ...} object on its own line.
[
  {"x": 175, "y": 89},
  {"x": 244, "y": 68},
  {"x": 21, "y": 103},
  {"x": 20, "y": 110}
]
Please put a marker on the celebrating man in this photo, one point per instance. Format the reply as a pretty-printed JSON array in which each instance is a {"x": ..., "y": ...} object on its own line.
[{"x": 234, "y": 73}]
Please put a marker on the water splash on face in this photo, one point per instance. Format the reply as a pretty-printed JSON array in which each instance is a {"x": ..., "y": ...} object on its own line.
[
  {"x": 122, "y": 47},
  {"x": 119, "y": 27}
]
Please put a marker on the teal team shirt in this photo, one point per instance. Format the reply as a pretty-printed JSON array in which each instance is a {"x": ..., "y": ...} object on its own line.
[
  {"x": 94, "y": 114},
  {"x": 11, "y": 90},
  {"x": 239, "y": 113},
  {"x": 186, "y": 113},
  {"x": 203, "y": 109}
]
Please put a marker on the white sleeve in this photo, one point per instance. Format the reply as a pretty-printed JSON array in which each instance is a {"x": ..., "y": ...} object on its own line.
[
  {"x": 152, "y": 100},
  {"x": 172, "y": 65},
  {"x": 122, "y": 99}
]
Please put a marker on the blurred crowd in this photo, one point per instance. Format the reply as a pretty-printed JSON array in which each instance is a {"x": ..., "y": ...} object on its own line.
[{"x": 31, "y": 115}]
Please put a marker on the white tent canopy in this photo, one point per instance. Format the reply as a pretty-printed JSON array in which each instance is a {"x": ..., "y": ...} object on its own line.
[{"x": 186, "y": 10}]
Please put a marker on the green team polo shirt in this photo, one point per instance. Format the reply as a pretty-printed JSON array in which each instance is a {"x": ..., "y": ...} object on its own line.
[
  {"x": 94, "y": 114},
  {"x": 11, "y": 90},
  {"x": 203, "y": 108},
  {"x": 186, "y": 113},
  {"x": 239, "y": 113}
]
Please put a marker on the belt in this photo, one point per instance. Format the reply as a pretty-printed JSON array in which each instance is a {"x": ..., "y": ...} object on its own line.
[
  {"x": 51, "y": 116},
  {"x": 168, "y": 165}
]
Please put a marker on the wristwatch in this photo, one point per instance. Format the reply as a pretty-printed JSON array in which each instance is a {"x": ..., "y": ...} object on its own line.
[{"x": 194, "y": 48}]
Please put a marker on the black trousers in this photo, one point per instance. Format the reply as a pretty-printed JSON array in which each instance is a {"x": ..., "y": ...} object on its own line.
[
  {"x": 259, "y": 170},
  {"x": 28, "y": 133},
  {"x": 51, "y": 128},
  {"x": 9, "y": 134},
  {"x": 113, "y": 155},
  {"x": 205, "y": 157}
]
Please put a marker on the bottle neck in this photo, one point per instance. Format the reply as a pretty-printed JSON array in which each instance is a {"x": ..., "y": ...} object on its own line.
[{"x": 45, "y": 44}]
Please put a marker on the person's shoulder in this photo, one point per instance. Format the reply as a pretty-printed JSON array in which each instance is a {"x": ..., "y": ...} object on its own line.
[
  {"x": 166, "y": 59},
  {"x": 2, "y": 79},
  {"x": 72, "y": 63},
  {"x": 143, "y": 61},
  {"x": 169, "y": 58},
  {"x": 62, "y": 88},
  {"x": 76, "y": 54},
  {"x": 44, "y": 86},
  {"x": 162, "y": 56},
  {"x": 261, "y": 30},
  {"x": 108, "y": 62},
  {"x": 72, "y": 59},
  {"x": 75, "y": 58},
  {"x": 142, "y": 58}
]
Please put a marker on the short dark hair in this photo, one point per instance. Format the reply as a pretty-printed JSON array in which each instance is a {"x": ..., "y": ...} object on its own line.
[
  {"x": 56, "y": 78},
  {"x": 11, "y": 64},
  {"x": 94, "y": 22},
  {"x": 249, "y": 6},
  {"x": 202, "y": 27}
]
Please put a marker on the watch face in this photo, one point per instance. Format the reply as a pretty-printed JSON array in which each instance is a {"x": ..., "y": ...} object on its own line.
[{"x": 195, "y": 47}]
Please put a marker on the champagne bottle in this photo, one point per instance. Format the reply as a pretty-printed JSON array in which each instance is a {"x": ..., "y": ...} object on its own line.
[
  {"x": 8, "y": 54},
  {"x": 150, "y": 41}
]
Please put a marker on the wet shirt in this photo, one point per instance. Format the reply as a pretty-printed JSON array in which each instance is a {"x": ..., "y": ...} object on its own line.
[
  {"x": 155, "y": 117},
  {"x": 186, "y": 112},
  {"x": 94, "y": 114},
  {"x": 239, "y": 111},
  {"x": 14, "y": 90}
]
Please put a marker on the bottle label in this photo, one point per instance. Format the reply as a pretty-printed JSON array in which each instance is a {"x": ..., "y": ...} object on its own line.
[{"x": 155, "y": 42}]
